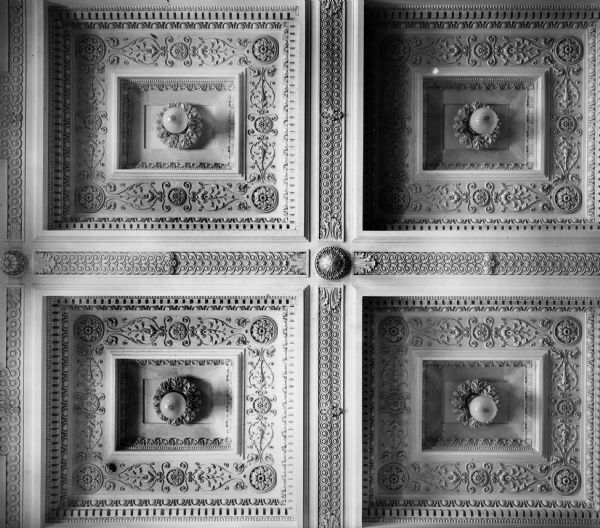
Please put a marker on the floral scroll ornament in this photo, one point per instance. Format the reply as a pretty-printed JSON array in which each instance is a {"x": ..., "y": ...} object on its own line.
[
  {"x": 464, "y": 394},
  {"x": 179, "y": 126},
  {"x": 177, "y": 401},
  {"x": 467, "y": 135}
]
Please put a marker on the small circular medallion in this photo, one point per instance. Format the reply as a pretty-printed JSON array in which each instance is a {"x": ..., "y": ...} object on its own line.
[
  {"x": 567, "y": 198},
  {"x": 265, "y": 198},
  {"x": 393, "y": 477},
  {"x": 14, "y": 262},
  {"x": 482, "y": 332},
  {"x": 261, "y": 405},
  {"x": 480, "y": 478},
  {"x": 566, "y": 480},
  {"x": 395, "y": 200},
  {"x": 565, "y": 407},
  {"x": 263, "y": 330},
  {"x": 331, "y": 263},
  {"x": 176, "y": 477},
  {"x": 177, "y": 196},
  {"x": 89, "y": 478},
  {"x": 265, "y": 49},
  {"x": 89, "y": 329},
  {"x": 569, "y": 50},
  {"x": 90, "y": 198},
  {"x": 263, "y": 125},
  {"x": 394, "y": 402},
  {"x": 92, "y": 122},
  {"x": 178, "y": 331},
  {"x": 567, "y": 331},
  {"x": 567, "y": 124},
  {"x": 482, "y": 50},
  {"x": 179, "y": 51},
  {"x": 91, "y": 49},
  {"x": 393, "y": 329},
  {"x": 394, "y": 49},
  {"x": 263, "y": 478},
  {"x": 89, "y": 403},
  {"x": 481, "y": 197}
]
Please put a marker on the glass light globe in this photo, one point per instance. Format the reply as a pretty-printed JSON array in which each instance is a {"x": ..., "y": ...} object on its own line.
[
  {"x": 175, "y": 120},
  {"x": 483, "y": 408},
  {"x": 172, "y": 405},
  {"x": 483, "y": 121}
]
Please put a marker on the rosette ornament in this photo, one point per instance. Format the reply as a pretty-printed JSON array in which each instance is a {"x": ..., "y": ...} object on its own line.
[
  {"x": 475, "y": 403},
  {"x": 177, "y": 401},
  {"x": 476, "y": 126},
  {"x": 179, "y": 126}
]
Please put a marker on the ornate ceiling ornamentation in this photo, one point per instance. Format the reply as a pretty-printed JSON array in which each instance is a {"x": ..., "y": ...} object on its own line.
[
  {"x": 463, "y": 396},
  {"x": 177, "y": 414},
  {"x": 465, "y": 133},
  {"x": 332, "y": 263},
  {"x": 191, "y": 128},
  {"x": 14, "y": 262}
]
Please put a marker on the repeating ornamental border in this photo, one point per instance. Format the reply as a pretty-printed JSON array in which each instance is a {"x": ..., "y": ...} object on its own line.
[
  {"x": 563, "y": 326},
  {"x": 12, "y": 113},
  {"x": 330, "y": 407},
  {"x": 11, "y": 412},
  {"x": 561, "y": 192},
  {"x": 257, "y": 484},
  {"x": 491, "y": 263},
  {"x": 293, "y": 263},
  {"x": 84, "y": 193},
  {"x": 331, "y": 119}
]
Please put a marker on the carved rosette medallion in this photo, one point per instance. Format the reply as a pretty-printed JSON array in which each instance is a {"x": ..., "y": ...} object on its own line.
[
  {"x": 91, "y": 198},
  {"x": 89, "y": 478},
  {"x": 191, "y": 127},
  {"x": 464, "y": 394},
  {"x": 393, "y": 477},
  {"x": 89, "y": 329},
  {"x": 567, "y": 198},
  {"x": 263, "y": 478},
  {"x": 393, "y": 329},
  {"x": 14, "y": 262},
  {"x": 265, "y": 49},
  {"x": 567, "y": 331},
  {"x": 175, "y": 477},
  {"x": 179, "y": 50},
  {"x": 91, "y": 49},
  {"x": 264, "y": 330},
  {"x": 463, "y": 127},
  {"x": 568, "y": 50},
  {"x": 265, "y": 198},
  {"x": 566, "y": 480},
  {"x": 184, "y": 388},
  {"x": 177, "y": 196},
  {"x": 332, "y": 263}
]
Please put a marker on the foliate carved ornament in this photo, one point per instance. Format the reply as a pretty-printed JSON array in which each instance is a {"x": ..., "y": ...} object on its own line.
[
  {"x": 266, "y": 462},
  {"x": 178, "y": 386},
  {"x": 463, "y": 396},
  {"x": 331, "y": 126},
  {"x": 171, "y": 263},
  {"x": 330, "y": 405},
  {"x": 492, "y": 263},
  {"x": 466, "y": 135},
  {"x": 407, "y": 486},
  {"x": 563, "y": 191},
  {"x": 190, "y": 134}
]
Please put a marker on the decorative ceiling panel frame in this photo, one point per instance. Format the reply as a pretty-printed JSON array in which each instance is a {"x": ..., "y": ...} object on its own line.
[
  {"x": 469, "y": 487},
  {"x": 12, "y": 113},
  {"x": 259, "y": 481},
  {"x": 480, "y": 40},
  {"x": 94, "y": 53}
]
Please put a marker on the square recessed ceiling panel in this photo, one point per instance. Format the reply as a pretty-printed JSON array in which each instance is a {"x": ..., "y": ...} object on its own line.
[
  {"x": 435, "y": 156},
  {"x": 177, "y": 119},
  {"x": 174, "y": 407},
  {"x": 473, "y": 405}
]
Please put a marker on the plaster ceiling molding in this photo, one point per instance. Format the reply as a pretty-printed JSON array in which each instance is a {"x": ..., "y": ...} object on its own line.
[
  {"x": 160, "y": 401},
  {"x": 425, "y": 165},
  {"x": 534, "y": 356},
  {"x": 192, "y": 121}
]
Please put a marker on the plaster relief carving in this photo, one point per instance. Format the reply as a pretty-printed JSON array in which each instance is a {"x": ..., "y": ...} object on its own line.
[
  {"x": 430, "y": 338},
  {"x": 234, "y": 399},
  {"x": 232, "y": 157}
]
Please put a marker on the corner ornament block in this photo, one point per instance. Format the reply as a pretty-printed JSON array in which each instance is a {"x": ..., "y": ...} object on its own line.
[
  {"x": 332, "y": 263},
  {"x": 14, "y": 262}
]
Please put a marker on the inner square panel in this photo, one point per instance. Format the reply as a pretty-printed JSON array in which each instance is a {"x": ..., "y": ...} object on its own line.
[{"x": 215, "y": 424}]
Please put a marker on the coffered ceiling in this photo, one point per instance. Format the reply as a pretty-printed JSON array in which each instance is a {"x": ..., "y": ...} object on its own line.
[{"x": 308, "y": 263}]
